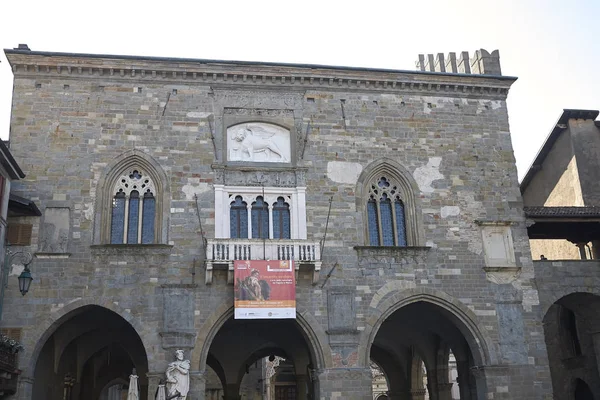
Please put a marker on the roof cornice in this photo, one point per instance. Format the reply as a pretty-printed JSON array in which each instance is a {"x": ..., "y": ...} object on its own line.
[{"x": 253, "y": 74}]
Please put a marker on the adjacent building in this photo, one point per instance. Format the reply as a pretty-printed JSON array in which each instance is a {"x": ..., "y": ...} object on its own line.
[{"x": 562, "y": 205}]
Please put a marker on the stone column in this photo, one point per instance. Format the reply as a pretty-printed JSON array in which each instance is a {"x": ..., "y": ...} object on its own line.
[
  {"x": 418, "y": 394},
  {"x": 197, "y": 386},
  {"x": 345, "y": 383},
  {"x": 582, "y": 250},
  {"x": 399, "y": 395},
  {"x": 444, "y": 391},
  {"x": 24, "y": 388},
  {"x": 596, "y": 249},
  {"x": 153, "y": 380},
  {"x": 301, "y": 388},
  {"x": 463, "y": 379},
  {"x": 232, "y": 392},
  {"x": 596, "y": 342}
]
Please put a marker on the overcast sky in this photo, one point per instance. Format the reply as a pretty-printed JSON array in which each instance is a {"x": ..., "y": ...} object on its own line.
[{"x": 547, "y": 44}]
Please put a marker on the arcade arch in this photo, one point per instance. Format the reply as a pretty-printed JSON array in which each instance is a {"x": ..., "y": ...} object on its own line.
[
  {"x": 239, "y": 348},
  {"x": 91, "y": 350},
  {"x": 412, "y": 341},
  {"x": 571, "y": 327}
]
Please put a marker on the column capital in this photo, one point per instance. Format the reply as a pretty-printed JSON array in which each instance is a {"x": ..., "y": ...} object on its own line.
[{"x": 26, "y": 379}]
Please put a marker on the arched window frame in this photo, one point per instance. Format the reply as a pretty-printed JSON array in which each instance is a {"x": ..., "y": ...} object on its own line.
[
  {"x": 405, "y": 191},
  {"x": 121, "y": 165},
  {"x": 134, "y": 203}
]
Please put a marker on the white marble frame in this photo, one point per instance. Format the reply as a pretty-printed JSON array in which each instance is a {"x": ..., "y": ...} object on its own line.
[
  {"x": 296, "y": 198},
  {"x": 498, "y": 246}
]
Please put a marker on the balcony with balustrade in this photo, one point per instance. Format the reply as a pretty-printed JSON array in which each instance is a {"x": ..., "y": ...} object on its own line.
[{"x": 221, "y": 253}]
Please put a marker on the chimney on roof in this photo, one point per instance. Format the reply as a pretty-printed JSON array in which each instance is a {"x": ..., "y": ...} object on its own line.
[{"x": 22, "y": 46}]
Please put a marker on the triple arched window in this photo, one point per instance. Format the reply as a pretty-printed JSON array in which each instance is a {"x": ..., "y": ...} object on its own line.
[
  {"x": 245, "y": 212},
  {"x": 133, "y": 213},
  {"x": 259, "y": 219}
]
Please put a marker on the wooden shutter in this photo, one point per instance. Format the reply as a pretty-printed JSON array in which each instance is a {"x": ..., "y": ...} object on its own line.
[{"x": 19, "y": 234}]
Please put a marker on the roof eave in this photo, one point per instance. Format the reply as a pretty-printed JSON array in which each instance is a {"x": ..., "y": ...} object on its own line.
[
  {"x": 559, "y": 127},
  {"x": 9, "y": 52}
]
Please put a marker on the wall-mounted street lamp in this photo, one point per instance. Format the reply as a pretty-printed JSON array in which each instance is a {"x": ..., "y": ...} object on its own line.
[{"x": 24, "y": 278}]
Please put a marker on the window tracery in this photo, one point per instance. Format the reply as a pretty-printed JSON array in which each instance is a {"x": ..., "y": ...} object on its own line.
[
  {"x": 386, "y": 213},
  {"x": 133, "y": 214}
]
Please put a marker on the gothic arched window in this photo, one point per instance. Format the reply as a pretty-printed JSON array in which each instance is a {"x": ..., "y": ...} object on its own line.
[
  {"x": 133, "y": 214},
  {"x": 260, "y": 219},
  {"x": 269, "y": 215},
  {"x": 238, "y": 218},
  {"x": 281, "y": 219},
  {"x": 385, "y": 214}
]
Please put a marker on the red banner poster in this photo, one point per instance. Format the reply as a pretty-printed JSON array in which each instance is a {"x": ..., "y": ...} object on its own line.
[{"x": 264, "y": 289}]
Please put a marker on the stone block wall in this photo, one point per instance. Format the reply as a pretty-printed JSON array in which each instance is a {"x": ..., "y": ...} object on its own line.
[{"x": 72, "y": 116}]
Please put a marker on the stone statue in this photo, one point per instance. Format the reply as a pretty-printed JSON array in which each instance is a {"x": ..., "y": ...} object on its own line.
[
  {"x": 248, "y": 141},
  {"x": 178, "y": 377}
]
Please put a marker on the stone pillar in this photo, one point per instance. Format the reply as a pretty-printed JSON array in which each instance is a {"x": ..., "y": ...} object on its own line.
[
  {"x": 153, "y": 379},
  {"x": 345, "y": 383},
  {"x": 463, "y": 379},
  {"x": 596, "y": 342},
  {"x": 444, "y": 391},
  {"x": 418, "y": 394},
  {"x": 232, "y": 392},
  {"x": 399, "y": 395},
  {"x": 596, "y": 249},
  {"x": 24, "y": 388},
  {"x": 582, "y": 252},
  {"x": 197, "y": 386},
  {"x": 301, "y": 388}
]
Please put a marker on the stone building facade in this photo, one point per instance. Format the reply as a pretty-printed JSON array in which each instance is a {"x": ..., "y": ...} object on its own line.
[{"x": 394, "y": 191}]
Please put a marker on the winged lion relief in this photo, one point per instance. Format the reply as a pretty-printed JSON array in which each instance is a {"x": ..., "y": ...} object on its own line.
[{"x": 258, "y": 142}]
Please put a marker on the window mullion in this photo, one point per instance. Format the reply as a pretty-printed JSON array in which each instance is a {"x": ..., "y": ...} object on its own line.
[
  {"x": 126, "y": 222},
  {"x": 249, "y": 214},
  {"x": 394, "y": 226},
  {"x": 270, "y": 206},
  {"x": 379, "y": 227},
  {"x": 140, "y": 215}
]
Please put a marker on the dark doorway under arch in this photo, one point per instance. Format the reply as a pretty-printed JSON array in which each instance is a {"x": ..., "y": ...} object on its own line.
[
  {"x": 248, "y": 354},
  {"x": 413, "y": 347},
  {"x": 91, "y": 352},
  {"x": 569, "y": 328},
  {"x": 582, "y": 391}
]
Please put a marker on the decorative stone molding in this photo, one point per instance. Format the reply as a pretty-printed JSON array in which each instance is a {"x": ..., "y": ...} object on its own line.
[
  {"x": 259, "y": 176},
  {"x": 51, "y": 255},
  {"x": 247, "y": 74},
  {"x": 130, "y": 249},
  {"x": 174, "y": 340},
  {"x": 259, "y": 112},
  {"x": 391, "y": 254},
  {"x": 502, "y": 275}
]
